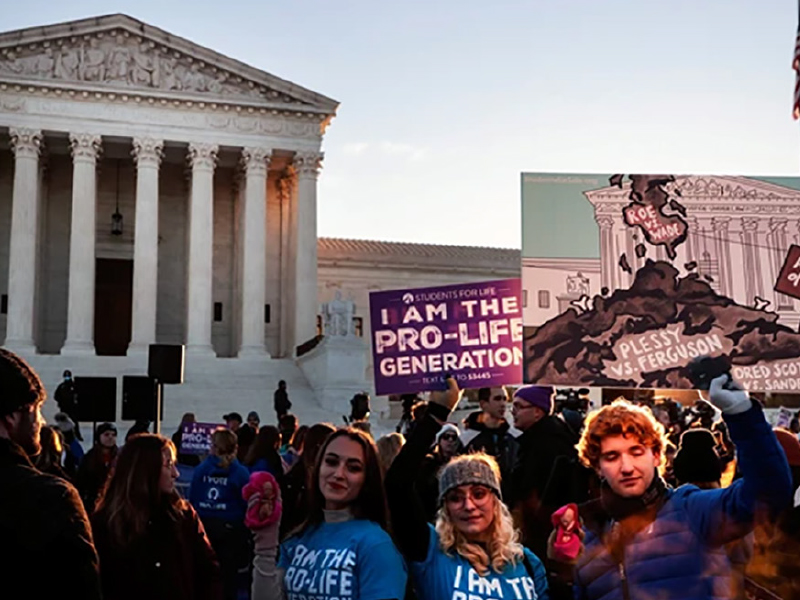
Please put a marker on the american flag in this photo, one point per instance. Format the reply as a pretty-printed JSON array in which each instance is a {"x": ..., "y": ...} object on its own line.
[{"x": 796, "y": 67}]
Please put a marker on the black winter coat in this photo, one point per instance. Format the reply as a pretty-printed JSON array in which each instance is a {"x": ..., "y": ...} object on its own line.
[
  {"x": 547, "y": 467},
  {"x": 173, "y": 560},
  {"x": 45, "y": 539}
]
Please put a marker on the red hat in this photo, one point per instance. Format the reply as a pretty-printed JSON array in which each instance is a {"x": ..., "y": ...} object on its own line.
[{"x": 790, "y": 445}]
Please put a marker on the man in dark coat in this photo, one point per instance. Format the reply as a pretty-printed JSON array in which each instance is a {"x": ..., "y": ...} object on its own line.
[
  {"x": 67, "y": 400},
  {"x": 539, "y": 486},
  {"x": 488, "y": 431},
  {"x": 44, "y": 529},
  {"x": 281, "y": 401}
]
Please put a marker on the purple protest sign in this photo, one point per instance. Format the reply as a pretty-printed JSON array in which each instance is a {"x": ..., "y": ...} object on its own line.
[
  {"x": 471, "y": 331},
  {"x": 196, "y": 437}
]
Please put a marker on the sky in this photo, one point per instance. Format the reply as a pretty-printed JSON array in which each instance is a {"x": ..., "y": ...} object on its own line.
[{"x": 444, "y": 103}]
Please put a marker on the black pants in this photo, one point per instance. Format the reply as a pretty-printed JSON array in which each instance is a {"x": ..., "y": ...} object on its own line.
[{"x": 231, "y": 542}]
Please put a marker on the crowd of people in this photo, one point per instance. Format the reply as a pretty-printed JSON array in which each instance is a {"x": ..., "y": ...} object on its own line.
[{"x": 631, "y": 501}]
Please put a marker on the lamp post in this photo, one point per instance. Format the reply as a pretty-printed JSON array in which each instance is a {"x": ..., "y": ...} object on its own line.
[{"x": 116, "y": 218}]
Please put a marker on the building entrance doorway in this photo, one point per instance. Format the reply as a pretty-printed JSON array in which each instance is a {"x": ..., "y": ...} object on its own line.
[{"x": 113, "y": 305}]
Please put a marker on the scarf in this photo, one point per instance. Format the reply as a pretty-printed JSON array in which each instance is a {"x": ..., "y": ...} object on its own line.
[{"x": 630, "y": 515}]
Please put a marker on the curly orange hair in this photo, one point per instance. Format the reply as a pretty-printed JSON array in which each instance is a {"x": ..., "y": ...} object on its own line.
[{"x": 620, "y": 418}]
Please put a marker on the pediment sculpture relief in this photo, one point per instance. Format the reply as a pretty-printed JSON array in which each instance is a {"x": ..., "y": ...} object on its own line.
[{"x": 125, "y": 61}]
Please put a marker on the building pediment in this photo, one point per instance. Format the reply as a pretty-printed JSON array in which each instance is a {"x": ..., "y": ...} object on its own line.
[
  {"x": 120, "y": 54},
  {"x": 708, "y": 188}
]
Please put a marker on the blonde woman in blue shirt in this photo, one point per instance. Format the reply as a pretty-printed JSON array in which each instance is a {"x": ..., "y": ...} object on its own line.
[{"x": 473, "y": 551}]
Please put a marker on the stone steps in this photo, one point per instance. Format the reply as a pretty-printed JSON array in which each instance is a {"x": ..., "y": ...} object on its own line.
[{"x": 211, "y": 388}]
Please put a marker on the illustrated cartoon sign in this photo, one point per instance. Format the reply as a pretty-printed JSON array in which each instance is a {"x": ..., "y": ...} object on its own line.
[
  {"x": 196, "y": 437},
  {"x": 673, "y": 267},
  {"x": 471, "y": 331}
]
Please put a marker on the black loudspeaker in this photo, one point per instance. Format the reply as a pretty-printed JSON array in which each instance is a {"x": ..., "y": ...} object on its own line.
[
  {"x": 139, "y": 398},
  {"x": 97, "y": 399},
  {"x": 165, "y": 363}
]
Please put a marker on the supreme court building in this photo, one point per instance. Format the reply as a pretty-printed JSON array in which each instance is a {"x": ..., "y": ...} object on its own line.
[{"x": 151, "y": 177}]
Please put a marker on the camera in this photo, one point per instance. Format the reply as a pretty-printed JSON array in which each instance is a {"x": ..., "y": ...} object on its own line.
[
  {"x": 572, "y": 399},
  {"x": 705, "y": 368}
]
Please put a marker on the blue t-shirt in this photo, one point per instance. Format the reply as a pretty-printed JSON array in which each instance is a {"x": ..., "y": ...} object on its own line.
[
  {"x": 442, "y": 577},
  {"x": 354, "y": 560},
  {"x": 217, "y": 492}
]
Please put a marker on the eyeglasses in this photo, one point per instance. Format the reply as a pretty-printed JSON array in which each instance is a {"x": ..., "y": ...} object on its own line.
[
  {"x": 448, "y": 437},
  {"x": 518, "y": 406},
  {"x": 479, "y": 494}
]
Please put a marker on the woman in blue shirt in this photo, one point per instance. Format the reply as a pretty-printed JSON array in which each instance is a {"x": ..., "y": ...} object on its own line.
[
  {"x": 342, "y": 550},
  {"x": 216, "y": 494},
  {"x": 473, "y": 551}
]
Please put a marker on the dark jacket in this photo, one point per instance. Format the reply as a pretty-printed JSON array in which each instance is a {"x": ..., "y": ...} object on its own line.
[
  {"x": 281, "y": 402},
  {"x": 45, "y": 538},
  {"x": 66, "y": 398},
  {"x": 173, "y": 560},
  {"x": 540, "y": 446},
  {"x": 428, "y": 483},
  {"x": 547, "y": 476},
  {"x": 496, "y": 442},
  {"x": 680, "y": 553}
]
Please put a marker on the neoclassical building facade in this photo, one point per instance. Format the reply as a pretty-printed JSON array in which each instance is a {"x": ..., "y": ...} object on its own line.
[{"x": 152, "y": 190}]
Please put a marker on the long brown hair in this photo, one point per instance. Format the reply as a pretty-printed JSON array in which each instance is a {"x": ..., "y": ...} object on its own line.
[
  {"x": 133, "y": 492},
  {"x": 268, "y": 440},
  {"x": 371, "y": 501}
]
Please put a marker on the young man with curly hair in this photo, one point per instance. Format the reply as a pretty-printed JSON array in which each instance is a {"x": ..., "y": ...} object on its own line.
[{"x": 646, "y": 540}]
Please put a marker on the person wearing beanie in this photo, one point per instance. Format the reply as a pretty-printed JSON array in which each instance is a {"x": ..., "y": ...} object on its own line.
[
  {"x": 645, "y": 539},
  {"x": 447, "y": 446},
  {"x": 253, "y": 420},
  {"x": 548, "y": 474},
  {"x": 37, "y": 511},
  {"x": 474, "y": 538},
  {"x": 697, "y": 461},
  {"x": 488, "y": 431},
  {"x": 97, "y": 465}
]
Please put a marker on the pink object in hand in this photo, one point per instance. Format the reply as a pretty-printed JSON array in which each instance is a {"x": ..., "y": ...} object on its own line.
[
  {"x": 567, "y": 543},
  {"x": 264, "y": 500}
]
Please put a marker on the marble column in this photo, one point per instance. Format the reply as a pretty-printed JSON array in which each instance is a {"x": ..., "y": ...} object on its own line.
[
  {"x": 22, "y": 261},
  {"x": 255, "y": 162},
  {"x": 86, "y": 148},
  {"x": 287, "y": 188},
  {"x": 307, "y": 165},
  {"x": 722, "y": 249},
  {"x": 202, "y": 159},
  {"x": 607, "y": 266},
  {"x": 751, "y": 265},
  {"x": 147, "y": 153}
]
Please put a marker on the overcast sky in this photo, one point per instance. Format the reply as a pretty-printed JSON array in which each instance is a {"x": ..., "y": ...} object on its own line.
[{"x": 445, "y": 102}]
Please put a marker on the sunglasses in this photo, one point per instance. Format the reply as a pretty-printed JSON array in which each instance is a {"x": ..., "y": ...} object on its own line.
[{"x": 448, "y": 437}]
